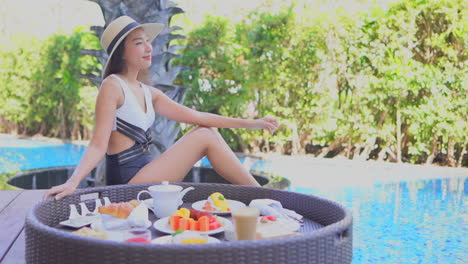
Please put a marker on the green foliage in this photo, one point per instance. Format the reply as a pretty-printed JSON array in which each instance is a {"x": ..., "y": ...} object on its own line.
[
  {"x": 267, "y": 52},
  {"x": 17, "y": 65},
  {"x": 213, "y": 77},
  {"x": 4, "y": 182},
  {"x": 7, "y": 165},
  {"x": 418, "y": 51},
  {"x": 41, "y": 85},
  {"x": 216, "y": 76},
  {"x": 383, "y": 82}
]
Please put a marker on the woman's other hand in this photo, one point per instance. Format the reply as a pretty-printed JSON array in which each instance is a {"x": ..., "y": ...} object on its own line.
[
  {"x": 269, "y": 123},
  {"x": 60, "y": 191}
]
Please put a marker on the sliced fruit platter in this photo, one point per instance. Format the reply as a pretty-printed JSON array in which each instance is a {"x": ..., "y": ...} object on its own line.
[
  {"x": 191, "y": 220},
  {"x": 194, "y": 220}
]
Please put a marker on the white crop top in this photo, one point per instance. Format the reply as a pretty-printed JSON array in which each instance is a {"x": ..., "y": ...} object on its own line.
[{"x": 131, "y": 111}]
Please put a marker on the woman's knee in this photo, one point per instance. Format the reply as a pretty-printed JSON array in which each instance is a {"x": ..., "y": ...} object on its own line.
[{"x": 206, "y": 132}]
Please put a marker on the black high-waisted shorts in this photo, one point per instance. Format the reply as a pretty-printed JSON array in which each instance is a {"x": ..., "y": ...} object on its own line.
[{"x": 117, "y": 173}]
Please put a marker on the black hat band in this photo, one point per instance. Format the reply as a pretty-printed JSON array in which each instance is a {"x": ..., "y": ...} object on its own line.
[{"x": 121, "y": 33}]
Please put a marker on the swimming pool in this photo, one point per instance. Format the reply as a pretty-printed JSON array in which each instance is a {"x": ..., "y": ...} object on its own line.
[
  {"x": 404, "y": 221},
  {"x": 422, "y": 221},
  {"x": 22, "y": 154}
]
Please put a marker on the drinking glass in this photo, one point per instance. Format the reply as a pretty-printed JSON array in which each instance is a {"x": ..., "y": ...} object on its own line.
[{"x": 245, "y": 222}]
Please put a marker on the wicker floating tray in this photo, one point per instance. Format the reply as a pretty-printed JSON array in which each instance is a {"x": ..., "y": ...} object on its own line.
[{"x": 327, "y": 232}]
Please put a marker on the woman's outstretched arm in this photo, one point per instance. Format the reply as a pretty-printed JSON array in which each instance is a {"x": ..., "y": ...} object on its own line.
[{"x": 166, "y": 107}]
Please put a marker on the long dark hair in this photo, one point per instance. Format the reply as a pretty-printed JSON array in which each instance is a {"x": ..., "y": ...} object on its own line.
[{"x": 117, "y": 64}]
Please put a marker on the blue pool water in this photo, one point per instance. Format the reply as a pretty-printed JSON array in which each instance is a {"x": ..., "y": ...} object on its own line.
[
  {"x": 410, "y": 221},
  {"x": 422, "y": 221},
  {"x": 22, "y": 154}
]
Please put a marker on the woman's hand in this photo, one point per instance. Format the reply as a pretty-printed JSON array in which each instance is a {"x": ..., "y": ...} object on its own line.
[
  {"x": 269, "y": 123},
  {"x": 60, "y": 191}
]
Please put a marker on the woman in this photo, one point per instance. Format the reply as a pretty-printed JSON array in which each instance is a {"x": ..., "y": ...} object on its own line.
[{"x": 125, "y": 110}]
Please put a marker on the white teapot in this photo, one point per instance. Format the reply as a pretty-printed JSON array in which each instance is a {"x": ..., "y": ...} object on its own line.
[{"x": 166, "y": 198}]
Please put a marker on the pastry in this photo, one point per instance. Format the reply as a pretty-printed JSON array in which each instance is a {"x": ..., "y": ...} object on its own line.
[{"x": 119, "y": 210}]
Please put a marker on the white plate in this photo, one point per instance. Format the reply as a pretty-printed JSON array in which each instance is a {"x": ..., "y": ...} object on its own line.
[
  {"x": 162, "y": 225},
  {"x": 291, "y": 225},
  {"x": 98, "y": 224},
  {"x": 168, "y": 240},
  {"x": 117, "y": 235},
  {"x": 233, "y": 203},
  {"x": 81, "y": 221}
]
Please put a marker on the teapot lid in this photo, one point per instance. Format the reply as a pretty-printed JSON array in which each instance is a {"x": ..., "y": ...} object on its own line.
[{"x": 166, "y": 187}]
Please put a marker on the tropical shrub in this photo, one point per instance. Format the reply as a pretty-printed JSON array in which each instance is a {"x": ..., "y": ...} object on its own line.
[
  {"x": 42, "y": 89},
  {"x": 386, "y": 84}
]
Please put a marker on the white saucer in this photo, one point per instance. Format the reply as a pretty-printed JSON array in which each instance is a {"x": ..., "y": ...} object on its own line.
[
  {"x": 280, "y": 223},
  {"x": 117, "y": 234},
  {"x": 81, "y": 221}
]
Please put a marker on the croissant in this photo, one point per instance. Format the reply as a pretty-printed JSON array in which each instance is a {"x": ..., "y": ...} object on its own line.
[{"x": 119, "y": 210}]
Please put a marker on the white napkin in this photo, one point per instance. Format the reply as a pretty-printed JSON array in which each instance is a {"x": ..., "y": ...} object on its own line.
[
  {"x": 139, "y": 216},
  {"x": 273, "y": 207},
  {"x": 112, "y": 223}
]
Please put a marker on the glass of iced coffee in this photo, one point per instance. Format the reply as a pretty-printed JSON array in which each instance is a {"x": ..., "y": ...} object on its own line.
[{"x": 245, "y": 222}]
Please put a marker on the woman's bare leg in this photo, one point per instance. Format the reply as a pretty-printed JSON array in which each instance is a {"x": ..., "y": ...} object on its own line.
[{"x": 177, "y": 161}]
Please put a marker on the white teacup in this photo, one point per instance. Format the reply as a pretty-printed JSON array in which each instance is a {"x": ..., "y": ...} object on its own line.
[{"x": 166, "y": 198}]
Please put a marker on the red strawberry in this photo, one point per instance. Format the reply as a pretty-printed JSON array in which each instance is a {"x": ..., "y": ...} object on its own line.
[{"x": 271, "y": 218}]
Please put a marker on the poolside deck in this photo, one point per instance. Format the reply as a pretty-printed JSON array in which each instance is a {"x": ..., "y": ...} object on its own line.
[{"x": 14, "y": 205}]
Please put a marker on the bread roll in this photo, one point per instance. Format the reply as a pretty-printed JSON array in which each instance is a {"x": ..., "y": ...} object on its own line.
[
  {"x": 125, "y": 209},
  {"x": 119, "y": 210}
]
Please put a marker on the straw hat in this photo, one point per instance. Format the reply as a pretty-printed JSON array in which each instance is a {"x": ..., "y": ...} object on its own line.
[{"x": 118, "y": 29}]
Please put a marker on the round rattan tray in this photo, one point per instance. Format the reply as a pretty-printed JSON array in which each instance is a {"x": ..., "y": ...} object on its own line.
[{"x": 326, "y": 234}]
